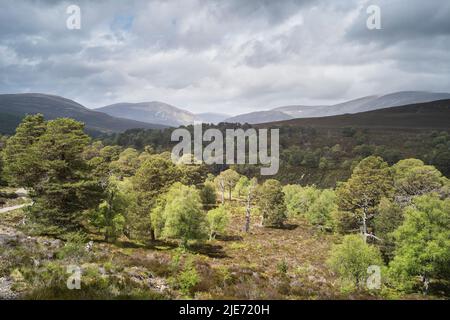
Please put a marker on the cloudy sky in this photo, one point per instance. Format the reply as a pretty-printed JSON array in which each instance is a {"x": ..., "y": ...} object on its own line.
[{"x": 229, "y": 56}]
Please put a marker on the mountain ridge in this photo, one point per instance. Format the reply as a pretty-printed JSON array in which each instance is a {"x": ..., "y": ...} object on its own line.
[
  {"x": 13, "y": 107},
  {"x": 160, "y": 112},
  {"x": 426, "y": 115},
  {"x": 368, "y": 103}
]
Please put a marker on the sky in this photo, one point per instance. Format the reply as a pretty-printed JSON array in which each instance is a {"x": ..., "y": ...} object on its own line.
[{"x": 227, "y": 56}]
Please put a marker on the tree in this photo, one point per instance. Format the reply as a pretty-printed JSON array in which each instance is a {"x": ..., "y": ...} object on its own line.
[
  {"x": 423, "y": 243},
  {"x": 63, "y": 186},
  {"x": 127, "y": 163},
  {"x": 192, "y": 174},
  {"x": 3, "y": 140},
  {"x": 413, "y": 178},
  {"x": 250, "y": 193},
  {"x": 179, "y": 214},
  {"x": 217, "y": 221},
  {"x": 208, "y": 195},
  {"x": 21, "y": 167},
  {"x": 229, "y": 178},
  {"x": 389, "y": 217},
  {"x": 271, "y": 203},
  {"x": 220, "y": 184},
  {"x": 352, "y": 257},
  {"x": 241, "y": 186},
  {"x": 359, "y": 197},
  {"x": 153, "y": 178},
  {"x": 319, "y": 213},
  {"x": 110, "y": 216},
  {"x": 47, "y": 158},
  {"x": 299, "y": 199}
]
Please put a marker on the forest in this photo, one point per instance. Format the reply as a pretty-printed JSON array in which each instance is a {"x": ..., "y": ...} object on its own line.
[{"x": 352, "y": 214}]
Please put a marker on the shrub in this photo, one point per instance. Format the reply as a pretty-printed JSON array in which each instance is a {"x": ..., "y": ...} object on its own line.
[
  {"x": 217, "y": 221},
  {"x": 352, "y": 257}
]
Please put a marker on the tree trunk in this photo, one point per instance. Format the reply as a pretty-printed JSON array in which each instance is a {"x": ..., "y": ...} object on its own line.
[
  {"x": 364, "y": 231},
  {"x": 248, "y": 208},
  {"x": 426, "y": 284},
  {"x": 152, "y": 234},
  {"x": 247, "y": 218},
  {"x": 364, "y": 223},
  {"x": 229, "y": 194}
]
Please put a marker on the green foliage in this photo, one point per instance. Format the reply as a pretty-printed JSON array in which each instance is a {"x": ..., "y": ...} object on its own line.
[
  {"x": 208, "y": 195},
  {"x": 127, "y": 163},
  {"x": 229, "y": 178},
  {"x": 423, "y": 243},
  {"x": 187, "y": 279},
  {"x": 179, "y": 214},
  {"x": 217, "y": 221},
  {"x": 271, "y": 203},
  {"x": 153, "y": 178},
  {"x": 3, "y": 140},
  {"x": 320, "y": 211},
  {"x": 75, "y": 247},
  {"x": 299, "y": 199},
  {"x": 241, "y": 186},
  {"x": 47, "y": 157},
  {"x": 388, "y": 219},
  {"x": 348, "y": 131},
  {"x": 110, "y": 216},
  {"x": 412, "y": 178},
  {"x": 19, "y": 156},
  {"x": 352, "y": 257},
  {"x": 315, "y": 205},
  {"x": 282, "y": 267},
  {"x": 359, "y": 197}
]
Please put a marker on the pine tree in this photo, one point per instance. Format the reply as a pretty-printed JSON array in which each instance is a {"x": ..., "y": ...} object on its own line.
[
  {"x": 65, "y": 186},
  {"x": 359, "y": 197},
  {"x": 271, "y": 203},
  {"x": 153, "y": 178},
  {"x": 21, "y": 166}
]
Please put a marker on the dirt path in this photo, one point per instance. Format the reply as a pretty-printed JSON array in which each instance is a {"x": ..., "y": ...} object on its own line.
[
  {"x": 21, "y": 193},
  {"x": 7, "y": 209}
]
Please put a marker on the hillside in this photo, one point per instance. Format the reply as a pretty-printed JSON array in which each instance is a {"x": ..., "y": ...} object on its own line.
[
  {"x": 151, "y": 112},
  {"x": 259, "y": 117},
  {"x": 13, "y": 107},
  {"x": 160, "y": 113},
  {"x": 211, "y": 117},
  {"x": 368, "y": 103},
  {"x": 433, "y": 115}
]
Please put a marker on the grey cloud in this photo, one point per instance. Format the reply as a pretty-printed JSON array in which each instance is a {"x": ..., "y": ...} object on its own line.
[{"x": 212, "y": 55}]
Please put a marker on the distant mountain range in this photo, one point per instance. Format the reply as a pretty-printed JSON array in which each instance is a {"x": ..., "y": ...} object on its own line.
[
  {"x": 13, "y": 107},
  {"x": 149, "y": 115},
  {"x": 353, "y": 106},
  {"x": 427, "y": 115},
  {"x": 161, "y": 113}
]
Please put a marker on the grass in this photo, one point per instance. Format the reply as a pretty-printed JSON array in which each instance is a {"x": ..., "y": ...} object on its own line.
[{"x": 266, "y": 263}]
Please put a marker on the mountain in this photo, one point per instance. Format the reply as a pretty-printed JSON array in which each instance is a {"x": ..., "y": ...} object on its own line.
[
  {"x": 13, "y": 107},
  {"x": 151, "y": 112},
  {"x": 211, "y": 117},
  {"x": 429, "y": 115},
  {"x": 259, "y": 117},
  {"x": 161, "y": 113},
  {"x": 368, "y": 103}
]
